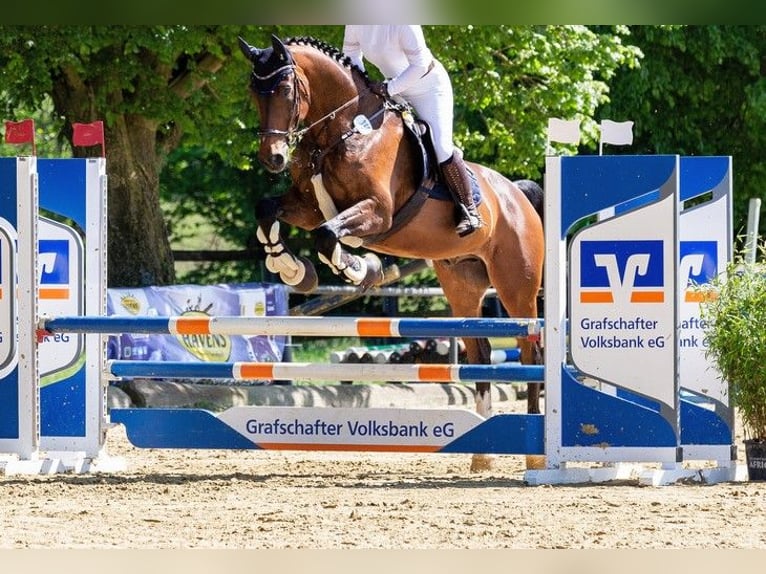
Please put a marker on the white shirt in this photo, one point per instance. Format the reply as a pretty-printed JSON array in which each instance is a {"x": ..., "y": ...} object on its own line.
[{"x": 399, "y": 52}]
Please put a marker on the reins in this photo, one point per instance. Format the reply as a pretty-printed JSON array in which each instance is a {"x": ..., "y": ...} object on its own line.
[
  {"x": 318, "y": 154},
  {"x": 330, "y": 116}
]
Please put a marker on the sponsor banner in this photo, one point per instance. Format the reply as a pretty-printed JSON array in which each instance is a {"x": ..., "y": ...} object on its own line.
[
  {"x": 246, "y": 300},
  {"x": 18, "y": 193},
  {"x": 701, "y": 261},
  {"x": 705, "y": 244},
  {"x": 705, "y": 236},
  {"x": 623, "y": 300},
  {"x": 60, "y": 268},
  {"x": 426, "y": 430}
]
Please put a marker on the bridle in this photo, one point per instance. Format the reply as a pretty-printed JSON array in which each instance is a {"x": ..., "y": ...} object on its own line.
[
  {"x": 266, "y": 85},
  {"x": 269, "y": 84}
]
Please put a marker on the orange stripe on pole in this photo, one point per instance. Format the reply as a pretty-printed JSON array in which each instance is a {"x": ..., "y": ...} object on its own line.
[
  {"x": 647, "y": 297},
  {"x": 597, "y": 297},
  {"x": 437, "y": 373},
  {"x": 53, "y": 293},
  {"x": 374, "y": 327},
  {"x": 257, "y": 371},
  {"x": 192, "y": 325}
]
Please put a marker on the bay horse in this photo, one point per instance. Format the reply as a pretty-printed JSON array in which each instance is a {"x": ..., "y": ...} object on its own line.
[{"x": 355, "y": 170}]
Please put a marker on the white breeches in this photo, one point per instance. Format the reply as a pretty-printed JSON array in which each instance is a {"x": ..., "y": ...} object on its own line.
[{"x": 433, "y": 101}]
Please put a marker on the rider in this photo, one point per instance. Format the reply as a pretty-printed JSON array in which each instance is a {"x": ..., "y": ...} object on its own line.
[{"x": 401, "y": 54}]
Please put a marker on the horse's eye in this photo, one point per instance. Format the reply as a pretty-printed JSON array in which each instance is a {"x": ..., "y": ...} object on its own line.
[{"x": 285, "y": 90}]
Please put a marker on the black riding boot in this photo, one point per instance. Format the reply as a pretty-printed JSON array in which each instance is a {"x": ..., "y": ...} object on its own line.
[{"x": 456, "y": 175}]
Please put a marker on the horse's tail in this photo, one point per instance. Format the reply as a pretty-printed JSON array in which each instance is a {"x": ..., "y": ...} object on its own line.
[{"x": 534, "y": 194}]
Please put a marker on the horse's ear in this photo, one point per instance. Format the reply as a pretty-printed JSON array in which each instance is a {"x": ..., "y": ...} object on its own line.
[
  {"x": 280, "y": 49},
  {"x": 250, "y": 52}
]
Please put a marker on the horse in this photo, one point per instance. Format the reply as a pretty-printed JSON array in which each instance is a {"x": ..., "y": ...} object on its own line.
[{"x": 356, "y": 171}]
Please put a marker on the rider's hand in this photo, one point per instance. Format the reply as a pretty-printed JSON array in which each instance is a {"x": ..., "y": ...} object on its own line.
[{"x": 380, "y": 89}]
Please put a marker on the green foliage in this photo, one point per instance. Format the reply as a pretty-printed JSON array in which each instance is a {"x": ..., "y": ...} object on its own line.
[
  {"x": 421, "y": 306},
  {"x": 186, "y": 80},
  {"x": 736, "y": 336},
  {"x": 699, "y": 91},
  {"x": 49, "y": 140},
  {"x": 209, "y": 204},
  {"x": 509, "y": 80}
]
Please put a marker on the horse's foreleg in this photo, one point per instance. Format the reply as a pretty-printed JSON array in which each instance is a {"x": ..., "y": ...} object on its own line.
[
  {"x": 349, "y": 227},
  {"x": 298, "y": 272},
  {"x": 365, "y": 271}
]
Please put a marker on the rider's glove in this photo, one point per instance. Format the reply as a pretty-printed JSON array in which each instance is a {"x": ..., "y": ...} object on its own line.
[{"x": 380, "y": 89}]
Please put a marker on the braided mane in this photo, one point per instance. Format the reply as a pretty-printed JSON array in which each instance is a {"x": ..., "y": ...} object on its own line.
[{"x": 328, "y": 50}]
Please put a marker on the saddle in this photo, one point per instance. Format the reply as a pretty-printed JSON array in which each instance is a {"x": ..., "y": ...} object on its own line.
[
  {"x": 430, "y": 175},
  {"x": 432, "y": 185}
]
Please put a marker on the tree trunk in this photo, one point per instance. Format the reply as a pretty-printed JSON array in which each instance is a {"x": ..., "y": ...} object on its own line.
[{"x": 139, "y": 249}]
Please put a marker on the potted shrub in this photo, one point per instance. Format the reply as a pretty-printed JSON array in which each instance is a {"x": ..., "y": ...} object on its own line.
[{"x": 735, "y": 316}]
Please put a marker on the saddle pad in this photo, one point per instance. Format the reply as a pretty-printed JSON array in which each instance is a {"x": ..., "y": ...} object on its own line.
[{"x": 441, "y": 192}]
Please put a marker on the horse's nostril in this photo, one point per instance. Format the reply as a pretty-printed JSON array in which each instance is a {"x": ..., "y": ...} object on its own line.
[
  {"x": 274, "y": 163},
  {"x": 278, "y": 161}
]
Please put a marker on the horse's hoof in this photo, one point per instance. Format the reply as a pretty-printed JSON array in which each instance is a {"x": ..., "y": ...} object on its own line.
[
  {"x": 536, "y": 462},
  {"x": 374, "y": 274},
  {"x": 481, "y": 463},
  {"x": 310, "y": 280}
]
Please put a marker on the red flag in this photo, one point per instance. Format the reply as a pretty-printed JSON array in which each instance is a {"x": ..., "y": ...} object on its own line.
[
  {"x": 88, "y": 134},
  {"x": 20, "y": 132}
]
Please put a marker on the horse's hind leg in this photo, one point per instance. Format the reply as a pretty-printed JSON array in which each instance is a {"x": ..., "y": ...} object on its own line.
[
  {"x": 520, "y": 302},
  {"x": 464, "y": 283},
  {"x": 518, "y": 292}
]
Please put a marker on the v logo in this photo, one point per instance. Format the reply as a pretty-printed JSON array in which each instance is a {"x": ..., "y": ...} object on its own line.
[{"x": 621, "y": 272}]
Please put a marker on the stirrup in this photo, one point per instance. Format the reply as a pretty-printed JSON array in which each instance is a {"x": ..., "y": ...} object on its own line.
[{"x": 468, "y": 224}]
